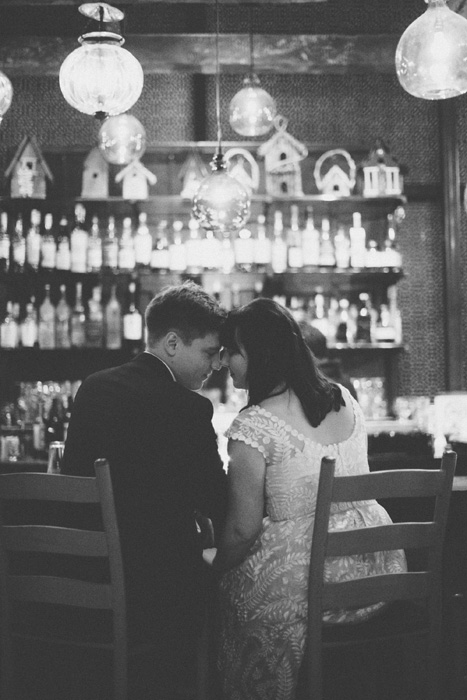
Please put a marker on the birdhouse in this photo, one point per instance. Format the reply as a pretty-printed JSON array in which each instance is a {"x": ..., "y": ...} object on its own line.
[
  {"x": 282, "y": 155},
  {"x": 335, "y": 173},
  {"x": 381, "y": 173},
  {"x": 243, "y": 167},
  {"x": 135, "y": 179},
  {"x": 192, "y": 172},
  {"x": 28, "y": 171},
  {"x": 95, "y": 176}
]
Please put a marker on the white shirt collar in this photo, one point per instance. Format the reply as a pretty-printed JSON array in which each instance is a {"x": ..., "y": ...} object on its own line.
[{"x": 160, "y": 360}]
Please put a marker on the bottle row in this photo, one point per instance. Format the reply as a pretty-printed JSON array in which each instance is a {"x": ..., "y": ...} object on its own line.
[
  {"x": 345, "y": 321},
  {"x": 182, "y": 247},
  {"x": 39, "y": 416},
  {"x": 63, "y": 326}
]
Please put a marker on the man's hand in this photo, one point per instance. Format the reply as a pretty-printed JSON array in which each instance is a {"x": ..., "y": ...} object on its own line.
[{"x": 205, "y": 529}]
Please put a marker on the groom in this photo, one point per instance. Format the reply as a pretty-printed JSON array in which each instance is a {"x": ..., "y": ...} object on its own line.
[{"x": 156, "y": 432}]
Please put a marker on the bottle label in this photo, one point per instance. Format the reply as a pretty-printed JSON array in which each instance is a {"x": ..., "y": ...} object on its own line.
[
  {"x": 19, "y": 252},
  {"x": 28, "y": 334},
  {"x": 143, "y": 249},
  {"x": 94, "y": 262},
  {"x": 79, "y": 244},
  {"x": 33, "y": 250},
  {"x": 132, "y": 327},
  {"x": 48, "y": 251},
  {"x": 63, "y": 259}
]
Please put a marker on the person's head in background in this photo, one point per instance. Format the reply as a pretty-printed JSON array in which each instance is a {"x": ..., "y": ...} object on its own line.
[
  {"x": 267, "y": 355},
  {"x": 330, "y": 367},
  {"x": 183, "y": 324}
]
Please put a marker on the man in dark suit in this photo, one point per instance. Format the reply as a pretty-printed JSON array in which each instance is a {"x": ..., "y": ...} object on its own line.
[{"x": 146, "y": 418}]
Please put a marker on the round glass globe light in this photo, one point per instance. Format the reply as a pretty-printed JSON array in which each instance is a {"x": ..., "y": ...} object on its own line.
[
  {"x": 101, "y": 78},
  {"x": 431, "y": 56},
  {"x": 221, "y": 203},
  {"x": 122, "y": 139},
  {"x": 252, "y": 109},
  {"x": 6, "y": 94}
]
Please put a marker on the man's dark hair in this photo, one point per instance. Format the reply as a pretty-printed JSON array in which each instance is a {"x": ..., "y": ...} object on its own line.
[
  {"x": 315, "y": 340},
  {"x": 186, "y": 308}
]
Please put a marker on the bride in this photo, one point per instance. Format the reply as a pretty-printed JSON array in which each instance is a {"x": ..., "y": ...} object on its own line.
[{"x": 294, "y": 417}]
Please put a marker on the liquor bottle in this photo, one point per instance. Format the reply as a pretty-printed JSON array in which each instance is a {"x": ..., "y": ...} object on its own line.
[
  {"x": 327, "y": 257},
  {"x": 28, "y": 328},
  {"x": 364, "y": 334},
  {"x": 143, "y": 241},
  {"x": 396, "y": 318},
  {"x": 294, "y": 241},
  {"x": 38, "y": 431},
  {"x": 48, "y": 245},
  {"x": 333, "y": 319},
  {"x": 126, "y": 251},
  {"x": 357, "y": 241},
  {"x": 18, "y": 246},
  {"x": 320, "y": 320},
  {"x": 46, "y": 330},
  {"x": 212, "y": 251},
  {"x": 54, "y": 422},
  {"x": 5, "y": 243},
  {"x": 373, "y": 255},
  {"x": 160, "y": 252},
  {"x": 132, "y": 322},
  {"x": 63, "y": 259},
  {"x": 110, "y": 252},
  {"x": 342, "y": 248},
  {"x": 279, "y": 246},
  {"x": 193, "y": 248},
  {"x": 94, "y": 249},
  {"x": 385, "y": 331},
  {"x": 33, "y": 241},
  {"x": 342, "y": 335},
  {"x": 113, "y": 321},
  {"x": 94, "y": 326},
  {"x": 79, "y": 241},
  {"x": 67, "y": 407},
  {"x": 78, "y": 319},
  {"x": 227, "y": 254},
  {"x": 9, "y": 328},
  {"x": 177, "y": 252},
  {"x": 244, "y": 251},
  {"x": 310, "y": 241},
  {"x": 391, "y": 255},
  {"x": 62, "y": 321},
  {"x": 262, "y": 246}
]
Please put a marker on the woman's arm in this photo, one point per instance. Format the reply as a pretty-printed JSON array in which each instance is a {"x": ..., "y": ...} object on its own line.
[{"x": 246, "y": 474}]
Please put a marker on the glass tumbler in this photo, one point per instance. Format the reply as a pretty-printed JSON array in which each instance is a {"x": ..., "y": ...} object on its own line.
[{"x": 56, "y": 450}]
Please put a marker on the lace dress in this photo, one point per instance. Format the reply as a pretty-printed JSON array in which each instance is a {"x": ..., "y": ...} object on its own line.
[{"x": 263, "y": 600}]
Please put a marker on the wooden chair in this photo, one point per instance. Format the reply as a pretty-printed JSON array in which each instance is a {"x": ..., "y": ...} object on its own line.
[
  {"x": 405, "y": 615},
  {"x": 58, "y": 590}
]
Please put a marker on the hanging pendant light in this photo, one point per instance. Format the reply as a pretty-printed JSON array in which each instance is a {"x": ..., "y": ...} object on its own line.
[
  {"x": 6, "y": 94},
  {"x": 252, "y": 109},
  {"x": 431, "y": 56},
  {"x": 221, "y": 203},
  {"x": 121, "y": 139},
  {"x": 100, "y": 77}
]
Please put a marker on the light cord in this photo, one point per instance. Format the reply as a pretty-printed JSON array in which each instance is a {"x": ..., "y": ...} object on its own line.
[
  {"x": 252, "y": 60},
  {"x": 218, "y": 100}
]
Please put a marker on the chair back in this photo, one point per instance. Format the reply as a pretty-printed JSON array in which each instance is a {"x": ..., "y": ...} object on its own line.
[
  {"x": 359, "y": 593},
  {"x": 59, "y": 541}
]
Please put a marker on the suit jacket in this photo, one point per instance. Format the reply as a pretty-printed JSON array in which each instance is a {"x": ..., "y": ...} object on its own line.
[{"x": 162, "y": 450}]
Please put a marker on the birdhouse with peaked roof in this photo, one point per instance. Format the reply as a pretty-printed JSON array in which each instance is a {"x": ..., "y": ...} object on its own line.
[
  {"x": 135, "y": 178},
  {"x": 381, "y": 173},
  {"x": 335, "y": 173},
  {"x": 95, "y": 175},
  {"x": 282, "y": 155},
  {"x": 192, "y": 172},
  {"x": 29, "y": 171}
]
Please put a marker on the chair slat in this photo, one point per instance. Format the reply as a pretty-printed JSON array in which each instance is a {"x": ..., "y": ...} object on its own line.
[
  {"x": 47, "y": 487},
  {"x": 362, "y": 487},
  {"x": 374, "y": 589},
  {"x": 60, "y": 591},
  {"x": 380, "y": 538},
  {"x": 54, "y": 540}
]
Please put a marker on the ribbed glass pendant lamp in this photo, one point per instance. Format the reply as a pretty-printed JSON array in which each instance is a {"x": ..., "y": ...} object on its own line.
[
  {"x": 121, "y": 139},
  {"x": 221, "y": 203},
  {"x": 6, "y": 94},
  {"x": 100, "y": 77},
  {"x": 431, "y": 56},
  {"x": 252, "y": 109}
]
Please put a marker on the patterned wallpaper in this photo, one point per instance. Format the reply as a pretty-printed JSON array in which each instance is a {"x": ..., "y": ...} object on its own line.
[{"x": 339, "y": 110}]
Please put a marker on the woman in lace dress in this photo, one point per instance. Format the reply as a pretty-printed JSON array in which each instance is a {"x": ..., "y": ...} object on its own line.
[{"x": 293, "y": 418}]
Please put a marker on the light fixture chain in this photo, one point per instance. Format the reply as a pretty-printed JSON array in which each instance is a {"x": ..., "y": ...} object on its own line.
[
  {"x": 218, "y": 100},
  {"x": 252, "y": 58}
]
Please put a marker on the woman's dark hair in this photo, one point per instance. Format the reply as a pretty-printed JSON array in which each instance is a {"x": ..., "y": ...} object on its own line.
[{"x": 278, "y": 358}]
